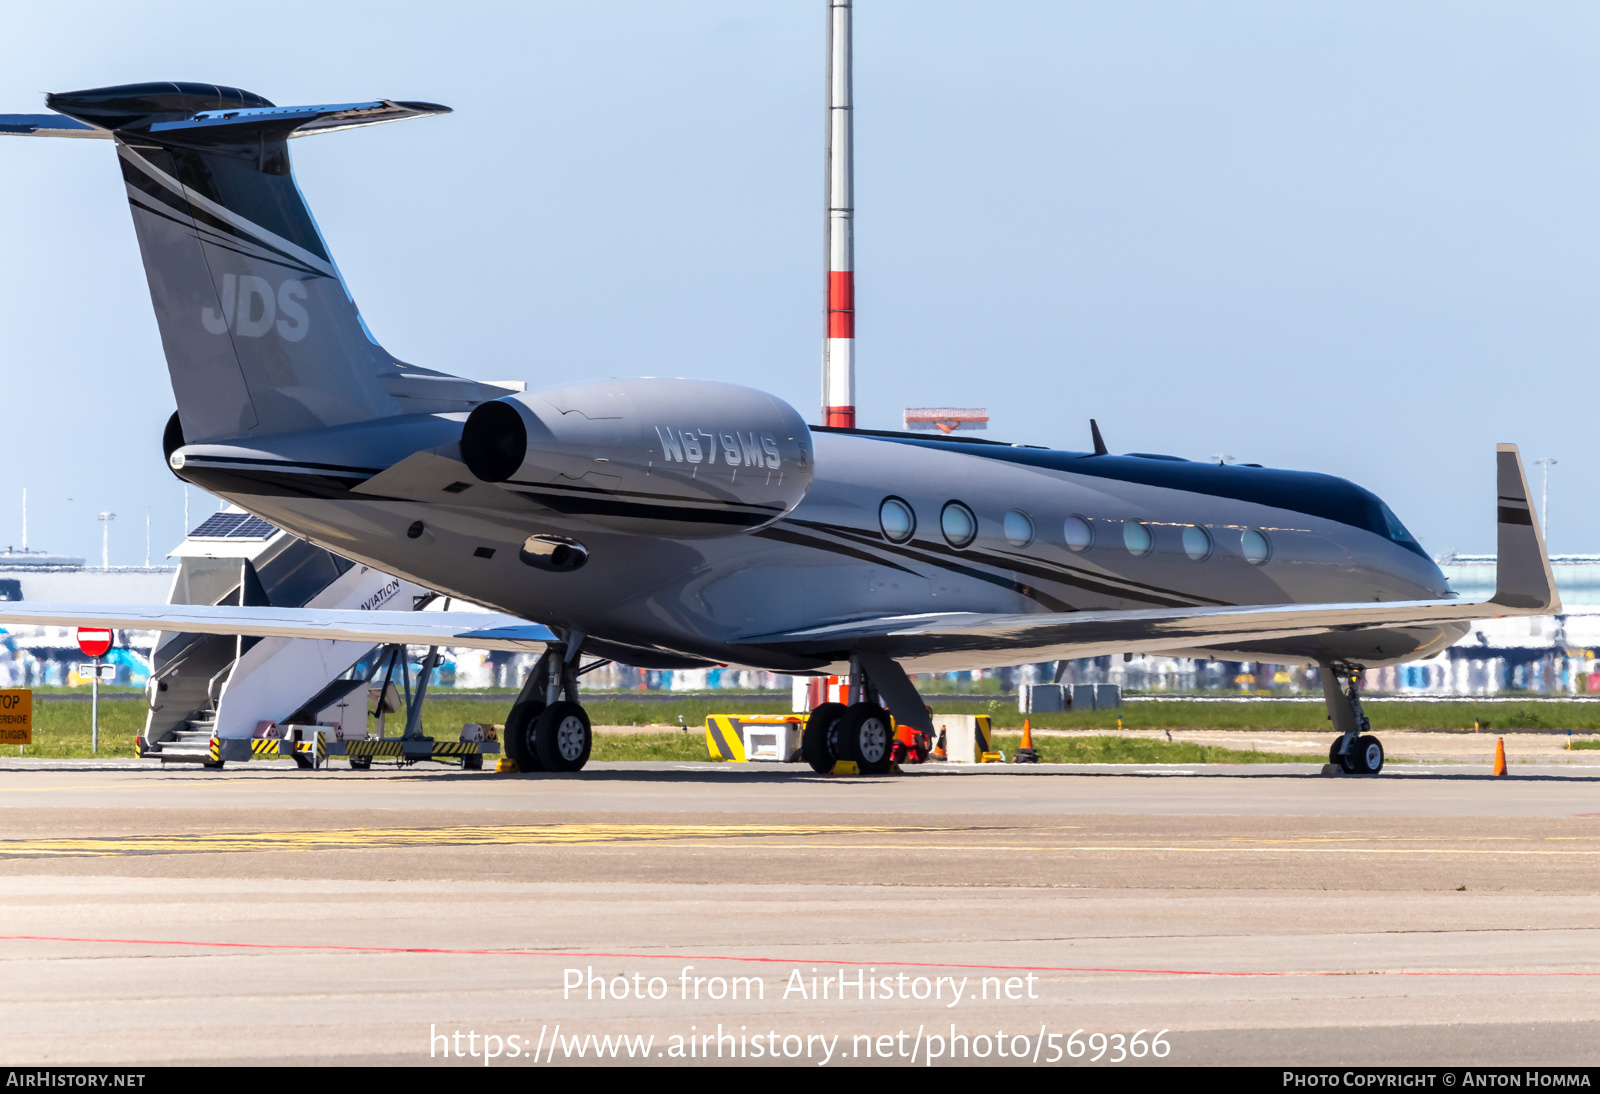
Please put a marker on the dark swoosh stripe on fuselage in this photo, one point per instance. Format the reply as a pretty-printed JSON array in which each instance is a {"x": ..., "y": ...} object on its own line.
[
  {"x": 934, "y": 555},
  {"x": 1066, "y": 575},
  {"x": 578, "y": 506},
  {"x": 283, "y": 478},
  {"x": 997, "y": 580},
  {"x": 798, "y": 539}
]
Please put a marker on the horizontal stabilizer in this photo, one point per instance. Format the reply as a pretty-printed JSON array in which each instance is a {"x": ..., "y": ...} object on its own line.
[
  {"x": 291, "y": 121},
  {"x": 474, "y": 630},
  {"x": 48, "y": 125},
  {"x": 300, "y": 121}
]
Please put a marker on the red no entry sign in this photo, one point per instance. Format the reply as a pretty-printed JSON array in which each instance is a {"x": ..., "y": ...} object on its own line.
[{"x": 94, "y": 641}]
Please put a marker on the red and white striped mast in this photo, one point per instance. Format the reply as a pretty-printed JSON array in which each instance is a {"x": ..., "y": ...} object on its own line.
[{"x": 839, "y": 347}]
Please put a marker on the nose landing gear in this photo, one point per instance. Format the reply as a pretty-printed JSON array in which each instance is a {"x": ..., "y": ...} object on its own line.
[{"x": 1356, "y": 751}]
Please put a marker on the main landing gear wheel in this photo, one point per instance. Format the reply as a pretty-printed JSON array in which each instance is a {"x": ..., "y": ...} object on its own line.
[
  {"x": 862, "y": 734},
  {"x": 561, "y": 737},
  {"x": 519, "y": 734},
  {"x": 817, "y": 744}
]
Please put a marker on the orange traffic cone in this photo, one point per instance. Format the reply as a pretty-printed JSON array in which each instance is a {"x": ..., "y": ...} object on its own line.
[
  {"x": 939, "y": 752},
  {"x": 1025, "y": 752},
  {"x": 1499, "y": 757}
]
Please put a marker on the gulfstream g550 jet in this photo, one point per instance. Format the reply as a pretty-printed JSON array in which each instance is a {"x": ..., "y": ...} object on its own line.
[{"x": 675, "y": 523}]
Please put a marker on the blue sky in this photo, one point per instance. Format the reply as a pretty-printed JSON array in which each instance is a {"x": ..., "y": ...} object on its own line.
[{"x": 1351, "y": 237}]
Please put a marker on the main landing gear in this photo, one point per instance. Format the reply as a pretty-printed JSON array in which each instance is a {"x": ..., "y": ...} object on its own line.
[
  {"x": 862, "y": 731},
  {"x": 1356, "y": 751},
  {"x": 547, "y": 729}
]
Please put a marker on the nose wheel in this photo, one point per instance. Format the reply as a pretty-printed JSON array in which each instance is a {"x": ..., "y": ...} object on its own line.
[{"x": 1366, "y": 758}]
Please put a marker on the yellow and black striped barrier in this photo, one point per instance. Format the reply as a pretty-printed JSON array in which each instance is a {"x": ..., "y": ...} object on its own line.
[
  {"x": 264, "y": 748},
  {"x": 724, "y": 738},
  {"x": 725, "y": 733},
  {"x": 414, "y": 749},
  {"x": 391, "y": 746},
  {"x": 215, "y": 750},
  {"x": 313, "y": 751}
]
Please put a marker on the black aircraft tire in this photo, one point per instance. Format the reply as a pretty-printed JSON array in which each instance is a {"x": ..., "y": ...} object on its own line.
[
  {"x": 519, "y": 734},
  {"x": 815, "y": 747},
  {"x": 562, "y": 738},
  {"x": 1369, "y": 755},
  {"x": 1337, "y": 757},
  {"x": 864, "y": 736}
]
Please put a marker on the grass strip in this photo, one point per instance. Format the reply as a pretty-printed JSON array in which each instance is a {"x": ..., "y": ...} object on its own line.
[
  {"x": 1143, "y": 750},
  {"x": 61, "y": 728}
]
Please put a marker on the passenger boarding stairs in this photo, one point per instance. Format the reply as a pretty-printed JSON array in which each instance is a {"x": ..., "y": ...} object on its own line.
[{"x": 210, "y": 694}]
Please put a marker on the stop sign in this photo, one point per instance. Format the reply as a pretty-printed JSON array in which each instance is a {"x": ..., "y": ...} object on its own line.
[{"x": 94, "y": 641}]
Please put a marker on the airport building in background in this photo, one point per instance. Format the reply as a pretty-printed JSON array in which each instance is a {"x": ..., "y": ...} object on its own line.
[{"x": 47, "y": 656}]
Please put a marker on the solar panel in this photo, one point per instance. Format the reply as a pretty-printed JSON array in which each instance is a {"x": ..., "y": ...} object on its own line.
[{"x": 233, "y": 526}]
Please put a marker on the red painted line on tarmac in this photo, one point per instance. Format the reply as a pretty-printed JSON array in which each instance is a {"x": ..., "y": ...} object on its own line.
[{"x": 750, "y": 960}]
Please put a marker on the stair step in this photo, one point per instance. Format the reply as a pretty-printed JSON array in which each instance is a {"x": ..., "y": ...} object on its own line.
[{"x": 170, "y": 753}]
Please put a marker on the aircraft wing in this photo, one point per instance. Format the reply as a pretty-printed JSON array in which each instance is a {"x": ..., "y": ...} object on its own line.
[
  {"x": 1524, "y": 585},
  {"x": 1192, "y": 631},
  {"x": 476, "y": 630}
]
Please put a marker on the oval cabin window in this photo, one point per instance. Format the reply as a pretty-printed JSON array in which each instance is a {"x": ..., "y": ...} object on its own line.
[
  {"x": 1136, "y": 538},
  {"x": 897, "y": 520},
  {"x": 958, "y": 524},
  {"x": 1078, "y": 533}
]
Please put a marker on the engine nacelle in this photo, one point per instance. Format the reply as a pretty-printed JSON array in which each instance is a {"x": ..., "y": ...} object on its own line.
[{"x": 657, "y": 457}]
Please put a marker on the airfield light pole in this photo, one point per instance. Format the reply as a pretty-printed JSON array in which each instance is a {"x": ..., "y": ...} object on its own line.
[
  {"x": 839, "y": 345},
  {"x": 1544, "y": 499},
  {"x": 105, "y": 539}
]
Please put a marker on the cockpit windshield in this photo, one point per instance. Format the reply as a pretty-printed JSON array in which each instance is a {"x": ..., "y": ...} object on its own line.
[{"x": 1397, "y": 531}]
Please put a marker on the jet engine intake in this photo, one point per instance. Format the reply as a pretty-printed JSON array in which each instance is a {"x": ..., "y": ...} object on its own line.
[{"x": 700, "y": 459}]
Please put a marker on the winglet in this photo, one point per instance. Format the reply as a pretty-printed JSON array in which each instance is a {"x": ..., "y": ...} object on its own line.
[{"x": 1523, "y": 579}]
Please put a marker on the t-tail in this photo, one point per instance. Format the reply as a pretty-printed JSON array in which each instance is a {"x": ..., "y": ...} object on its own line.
[{"x": 261, "y": 335}]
